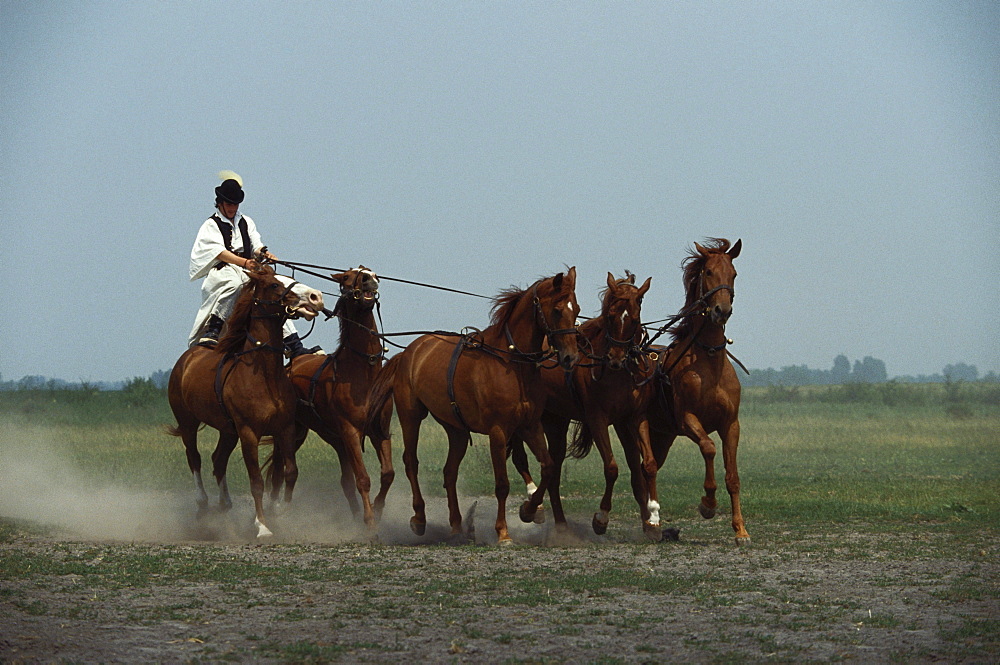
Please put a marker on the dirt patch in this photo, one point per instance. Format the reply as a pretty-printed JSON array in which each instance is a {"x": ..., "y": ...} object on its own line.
[{"x": 325, "y": 592}]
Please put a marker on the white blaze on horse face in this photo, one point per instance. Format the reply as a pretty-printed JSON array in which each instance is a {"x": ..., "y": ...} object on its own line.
[
  {"x": 624, "y": 317},
  {"x": 654, "y": 513},
  {"x": 310, "y": 300}
]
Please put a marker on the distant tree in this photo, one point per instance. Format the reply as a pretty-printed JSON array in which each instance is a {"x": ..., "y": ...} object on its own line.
[
  {"x": 31, "y": 383},
  {"x": 841, "y": 371},
  {"x": 160, "y": 378},
  {"x": 869, "y": 370},
  {"x": 960, "y": 372}
]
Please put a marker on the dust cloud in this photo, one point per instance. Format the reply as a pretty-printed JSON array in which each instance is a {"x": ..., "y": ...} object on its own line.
[{"x": 42, "y": 485}]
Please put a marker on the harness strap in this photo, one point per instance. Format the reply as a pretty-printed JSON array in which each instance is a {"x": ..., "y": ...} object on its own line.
[
  {"x": 227, "y": 237},
  {"x": 452, "y": 366}
]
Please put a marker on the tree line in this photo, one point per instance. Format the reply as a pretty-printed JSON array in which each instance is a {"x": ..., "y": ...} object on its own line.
[{"x": 866, "y": 370}]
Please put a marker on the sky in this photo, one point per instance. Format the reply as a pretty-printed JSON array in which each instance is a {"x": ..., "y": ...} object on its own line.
[{"x": 853, "y": 147}]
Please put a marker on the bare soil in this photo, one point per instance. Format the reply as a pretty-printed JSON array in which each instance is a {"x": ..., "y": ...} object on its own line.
[{"x": 210, "y": 594}]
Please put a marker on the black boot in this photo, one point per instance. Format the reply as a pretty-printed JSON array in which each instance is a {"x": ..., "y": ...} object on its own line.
[
  {"x": 212, "y": 331},
  {"x": 294, "y": 347}
]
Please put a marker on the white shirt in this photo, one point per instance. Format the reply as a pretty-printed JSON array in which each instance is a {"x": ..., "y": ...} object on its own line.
[{"x": 209, "y": 243}]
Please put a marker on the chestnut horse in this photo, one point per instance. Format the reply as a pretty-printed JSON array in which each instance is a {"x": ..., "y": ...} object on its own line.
[
  {"x": 700, "y": 390},
  {"x": 333, "y": 392},
  {"x": 485, "y": 382},
  {"x": 612, "y": 388},
  {"x": 240, "y": 388}
]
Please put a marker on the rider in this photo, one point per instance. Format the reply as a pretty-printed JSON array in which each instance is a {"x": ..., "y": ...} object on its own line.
[{"x": 226, "y": 243}]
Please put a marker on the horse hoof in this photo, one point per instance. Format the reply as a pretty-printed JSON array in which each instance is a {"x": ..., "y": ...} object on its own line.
[
  {"x": 600, "y": 525},
  {"x": 526, "y": 513},
  {"x": 263, "y": 533},
  {"x": 743, "y": 541},
  {"x": 652, "y": 531},
  {"x": 417, "y": 527},
  {"x": 672, "y": 534},
  {"x": 505, "y": 542},
  {"x": 540, "y": 515},
  {"x": 706, "y": 512}
]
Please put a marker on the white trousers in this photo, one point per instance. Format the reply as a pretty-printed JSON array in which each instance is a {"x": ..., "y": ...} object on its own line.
[{"x": 219, "y": 292}]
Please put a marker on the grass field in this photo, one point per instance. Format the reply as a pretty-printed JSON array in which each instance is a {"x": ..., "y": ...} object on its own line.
[{"x": 872, "y": 510}]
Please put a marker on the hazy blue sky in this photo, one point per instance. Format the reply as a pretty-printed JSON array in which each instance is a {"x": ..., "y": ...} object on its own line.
[{"x": 853, "y": 146}]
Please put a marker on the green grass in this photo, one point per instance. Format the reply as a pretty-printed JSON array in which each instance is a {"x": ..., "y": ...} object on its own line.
[{"x": 823, "y": 457}]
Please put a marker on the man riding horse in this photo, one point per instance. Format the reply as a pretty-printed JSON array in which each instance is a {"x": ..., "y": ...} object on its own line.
[{"x": 226, "y": 242}]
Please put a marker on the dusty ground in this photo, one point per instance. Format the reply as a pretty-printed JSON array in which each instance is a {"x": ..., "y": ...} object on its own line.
[{"x": 208, "y": 594}]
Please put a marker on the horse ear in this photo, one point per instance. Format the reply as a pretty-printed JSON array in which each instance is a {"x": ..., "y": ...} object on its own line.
[
  {"x": 645, "y": 287},
  {"x": 338, "y": 277},
  {"x": 611, "y": 281},
  {"x": 701, "y": 250},
  {"x": 557, "y": 281},
  {"x": 254, "y": 266},
  {"x": 735, "y": 251}
]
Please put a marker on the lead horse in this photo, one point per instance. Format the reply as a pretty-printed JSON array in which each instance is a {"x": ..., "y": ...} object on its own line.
[
  {"x": 700, "y": 392},
  {"x": 333, "y": 393},
  {"x": 485, "y": 382},
  {"x": 240, "y": 388}
]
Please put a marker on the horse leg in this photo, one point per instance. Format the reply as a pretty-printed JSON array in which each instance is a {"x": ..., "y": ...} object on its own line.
[
  {"x": 651, "y": 523},
  {"x": 363, "y": 482},
  {"x": 501, "y": 484},
  {"x": 555, "y": 434},
  {"x": 698, "y": 434},
  {"x": 384, "y": 451},
  {"x": 189, "y": 435},
  {"x": 519, "y": 457},
  {"x": 347, "y": 482},
  {"x": 634, "y": 461},
  {"x": 534, "y": 436},
  {"x": 599, "y": 430},
  {"x": 730, "y": 442},
  {"x": 249, "y": 443},
  {"x": 220, "y": 463},
  {"x": 458, "y": 444},
  {"x": 409, "y": 424},
  {"x": 284, "y": 441}
]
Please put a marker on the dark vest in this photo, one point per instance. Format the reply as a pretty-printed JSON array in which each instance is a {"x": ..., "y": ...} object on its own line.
[{"x": 227, "y": 237}]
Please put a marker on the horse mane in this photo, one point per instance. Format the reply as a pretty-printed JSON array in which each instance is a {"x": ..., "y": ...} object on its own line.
[
  {"x": 504, "y": 304},
  {"x": 691, "y": 267},
  {"x": 237, "y": 323}
]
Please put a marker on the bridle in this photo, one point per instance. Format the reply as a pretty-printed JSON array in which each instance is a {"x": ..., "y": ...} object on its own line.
[{"x": 539, "y": 356}]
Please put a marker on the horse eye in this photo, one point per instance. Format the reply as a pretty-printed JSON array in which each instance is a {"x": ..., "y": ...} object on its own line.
[{"x": 708, "y": 273}]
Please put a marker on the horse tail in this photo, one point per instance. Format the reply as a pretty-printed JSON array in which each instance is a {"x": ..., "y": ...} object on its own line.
[
  {"x": 171, "y": 430},
  {"x": 583, "y": 441},
  {"x": 378, "y": 395}
]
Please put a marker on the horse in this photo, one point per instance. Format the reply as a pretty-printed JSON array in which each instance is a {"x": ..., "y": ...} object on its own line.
[
  {"x": 333, "y": 392},
  {"x": 240, "y": 388},
  {"x": 486, "y": 382},
  {"x": 611, "y": 389},
  {"x": 699, "y": 389}
]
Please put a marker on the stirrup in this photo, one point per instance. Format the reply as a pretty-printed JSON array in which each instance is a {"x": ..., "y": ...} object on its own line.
[{"x": 208, "y": 342}]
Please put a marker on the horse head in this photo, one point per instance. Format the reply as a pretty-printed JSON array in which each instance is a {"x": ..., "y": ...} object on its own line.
[
  {"x": 556, "y": 311},
  {"x": 620, "y": 313},
  {"x": 712, "y": 268},
  {"x": 276, "y": 295},
  {"x": 358, "y": 286}
]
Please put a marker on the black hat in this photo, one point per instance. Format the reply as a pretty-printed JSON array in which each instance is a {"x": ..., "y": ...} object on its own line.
[{"x": 230, "y": 191}]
